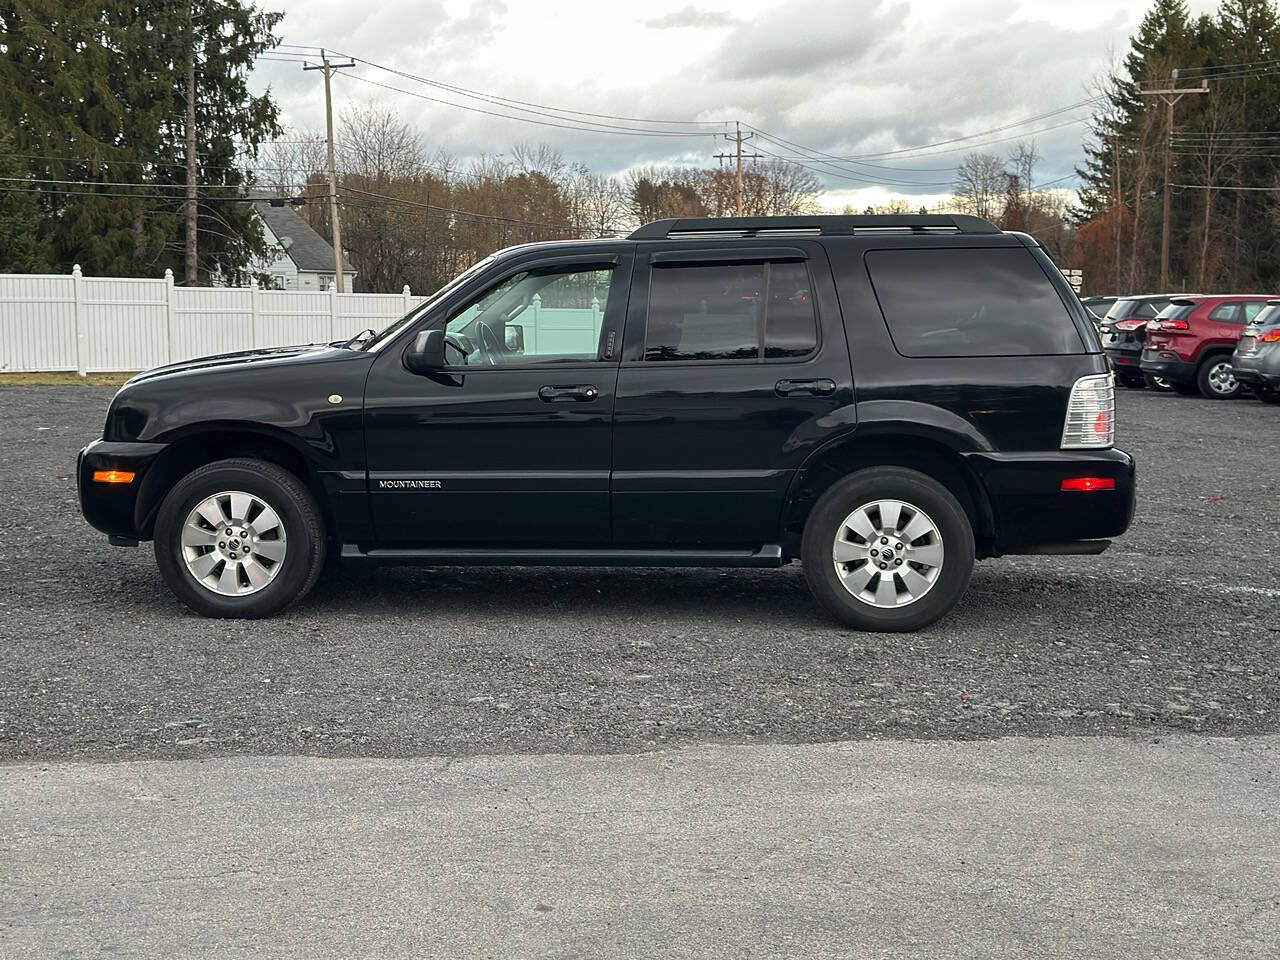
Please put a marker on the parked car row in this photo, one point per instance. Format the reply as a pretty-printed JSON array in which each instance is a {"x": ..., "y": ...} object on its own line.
[{"x": 1218, "y": 346}]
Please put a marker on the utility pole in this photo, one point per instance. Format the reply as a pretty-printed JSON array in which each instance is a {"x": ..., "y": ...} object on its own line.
[
  {"x": 328, "y": 69},
  {"x": 191, "y": 274},
  {"x": 1170, "y": 95},
  {"x": 1115, "y": 208},
  {"x": 738, "y": 139}
]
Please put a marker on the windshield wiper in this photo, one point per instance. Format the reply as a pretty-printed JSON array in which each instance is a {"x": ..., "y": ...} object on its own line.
[{"x": 360, "y": 337}]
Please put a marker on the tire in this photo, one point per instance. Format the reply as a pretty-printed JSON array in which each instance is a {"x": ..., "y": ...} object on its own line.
[
  {"x": 1131, "y": 381},
  {"x": 1159, "y": 384},
  {"x": 1215, "y": 380},
  {"x": 282, "y": 555},
  {"x": 1184, "y": 389},
  {"x": 917, "y": 494}
]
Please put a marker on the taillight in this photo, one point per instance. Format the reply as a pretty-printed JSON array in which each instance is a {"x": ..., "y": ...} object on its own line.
[
  {"x": 1269, "y": 336},
  {"x": 1088, "y": 483},
  {"x": 1174, "y": 325},
  {"x": 1091, "y": 413},
  {"x": 1129, "y": 324}
]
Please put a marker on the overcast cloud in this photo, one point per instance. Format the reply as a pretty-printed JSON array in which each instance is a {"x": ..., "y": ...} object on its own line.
[{"x": 854, "y": 78}]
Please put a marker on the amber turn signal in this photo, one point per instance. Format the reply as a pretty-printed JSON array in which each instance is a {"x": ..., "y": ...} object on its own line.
[{"x": 113, "y": 476}]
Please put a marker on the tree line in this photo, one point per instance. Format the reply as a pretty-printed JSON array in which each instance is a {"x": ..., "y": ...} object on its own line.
[
  {"x": 415, "y": 217},
  {"x": 1224, "y": 155}
]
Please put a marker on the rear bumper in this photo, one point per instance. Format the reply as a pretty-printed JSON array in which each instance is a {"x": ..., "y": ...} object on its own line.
[
  {"x": 1258, "y": 369},
  {"x": 113, "y": 507},
  {"x": 1125, "y": 361},
  {"x": 1165, "y": 363},
  {"x": 1029, "y": 507}
]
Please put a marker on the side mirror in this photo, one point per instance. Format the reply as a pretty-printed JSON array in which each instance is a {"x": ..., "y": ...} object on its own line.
[
  {"x": 427, "y": 352},
  {"x": 515, "y": 338}
]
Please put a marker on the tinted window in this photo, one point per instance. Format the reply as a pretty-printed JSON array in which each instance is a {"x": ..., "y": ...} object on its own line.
[
  {"x": 1252, "y": 309},
  {"x": 730, "y": 312},
  {"x": 790, "y": 328},
  {"x": 1226, "y": 313},
  {"x": 959, "y": 302}
]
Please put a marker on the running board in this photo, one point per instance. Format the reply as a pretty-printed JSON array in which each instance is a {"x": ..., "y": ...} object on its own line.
[
  {"x": 1072, "y": 548},
  {"x": 769, "y": 555}
]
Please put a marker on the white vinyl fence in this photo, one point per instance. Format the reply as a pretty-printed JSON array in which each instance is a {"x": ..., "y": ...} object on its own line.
[{"x": 100, "y": 324}]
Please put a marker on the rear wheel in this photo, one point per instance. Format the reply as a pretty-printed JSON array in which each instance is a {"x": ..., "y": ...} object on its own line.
[
  {"x": 1156, "y": 383},
  {"x": 1215, "y": 379},
  {"x": 239, "y": 538},
  {"x": 888, "y": 548},
  {"x": 1131, "y": 380}
]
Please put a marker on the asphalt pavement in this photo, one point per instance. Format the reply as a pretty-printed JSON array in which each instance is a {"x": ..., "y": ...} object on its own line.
[{"x": 1177, "y": 627}]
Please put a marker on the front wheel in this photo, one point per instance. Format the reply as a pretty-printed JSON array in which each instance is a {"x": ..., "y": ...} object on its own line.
[
  {"x": 1216, "y": 379},
  {"x": 239, "y": 538},
  {"x": 888, "y": 548}
]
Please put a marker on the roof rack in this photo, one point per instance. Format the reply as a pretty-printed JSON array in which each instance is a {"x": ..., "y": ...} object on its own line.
[{"x": 711, "y": 227}]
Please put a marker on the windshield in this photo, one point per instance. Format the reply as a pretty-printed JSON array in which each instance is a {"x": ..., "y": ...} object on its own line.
[{"x": 384, "y": 336}]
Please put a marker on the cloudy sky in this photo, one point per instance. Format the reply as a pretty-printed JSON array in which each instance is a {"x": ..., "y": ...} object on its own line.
[{"x": 876, "y": 83}]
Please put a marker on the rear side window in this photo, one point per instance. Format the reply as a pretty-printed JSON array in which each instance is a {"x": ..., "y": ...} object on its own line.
[
  {"x": 958, "y": 302},
  {"x": 1226, "y": 313},
  {"x": 752, "y": 311}
]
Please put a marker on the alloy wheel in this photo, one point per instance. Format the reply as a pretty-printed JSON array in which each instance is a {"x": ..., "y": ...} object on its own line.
[
  {"x": 888, "y": 553},
  {"x": 233, "y": 543},
  {"x": 1222, "y": 378}
]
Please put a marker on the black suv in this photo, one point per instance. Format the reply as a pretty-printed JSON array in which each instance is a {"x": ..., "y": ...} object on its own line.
[{"x": 883, "y": 398}]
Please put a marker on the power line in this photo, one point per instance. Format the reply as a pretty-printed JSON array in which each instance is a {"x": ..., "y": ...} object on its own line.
[
  {"x": 541, "y": 108},
  {"x": 1210, "y": 186},
  {"x": 624, "y": 131},
  {"x": 59, "y": 192},
  {"x": 858, "y": 175},
  {"x": 453, "y": 210}
]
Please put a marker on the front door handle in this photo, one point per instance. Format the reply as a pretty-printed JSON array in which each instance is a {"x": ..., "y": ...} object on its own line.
[
  {"x": 580, "y": 393},
  {"x": 811, "y": 388}
]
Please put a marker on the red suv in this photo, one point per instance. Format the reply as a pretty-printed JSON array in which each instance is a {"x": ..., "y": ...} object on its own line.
[{"x": 1189, "y": 343}]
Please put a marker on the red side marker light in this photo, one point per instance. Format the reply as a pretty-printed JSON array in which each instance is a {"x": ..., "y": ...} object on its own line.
[{"x": 1088, "y": 483}]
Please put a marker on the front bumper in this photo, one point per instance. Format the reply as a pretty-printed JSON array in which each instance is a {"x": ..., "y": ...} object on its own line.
[
  {"x": 1030, "y": 509},
  {"x": 113, "y": 508},
  {"x": 1167, "y": 364}
]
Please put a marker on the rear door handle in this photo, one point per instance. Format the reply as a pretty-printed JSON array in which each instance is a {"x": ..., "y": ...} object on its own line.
[
  {"x": 581, "y": 393},
  {"x": 812, "y": 388}
]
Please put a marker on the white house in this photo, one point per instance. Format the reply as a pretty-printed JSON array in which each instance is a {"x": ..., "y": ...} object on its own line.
[{"x": 300, "y": 259}]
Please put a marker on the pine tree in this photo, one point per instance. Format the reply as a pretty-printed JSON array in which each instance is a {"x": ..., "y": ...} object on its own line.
[
  {"x": 95, "y": 91},
  {"x": 21, "y": 249}
]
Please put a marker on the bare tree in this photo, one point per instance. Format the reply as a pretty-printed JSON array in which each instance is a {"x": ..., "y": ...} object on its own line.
[{"x": 980, "y": 185}]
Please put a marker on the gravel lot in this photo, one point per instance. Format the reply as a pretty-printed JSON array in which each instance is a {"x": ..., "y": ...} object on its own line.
[{"x": 1176, "y": 627}]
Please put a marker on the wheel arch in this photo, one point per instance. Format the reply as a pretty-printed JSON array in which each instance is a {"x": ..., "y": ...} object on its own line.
[
  {"x": 903, "y": 447},
  {"x": 196, "y": 448}
]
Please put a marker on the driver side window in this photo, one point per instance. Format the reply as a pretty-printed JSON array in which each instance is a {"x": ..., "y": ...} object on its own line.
[{"x": 536, "y": 316}]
